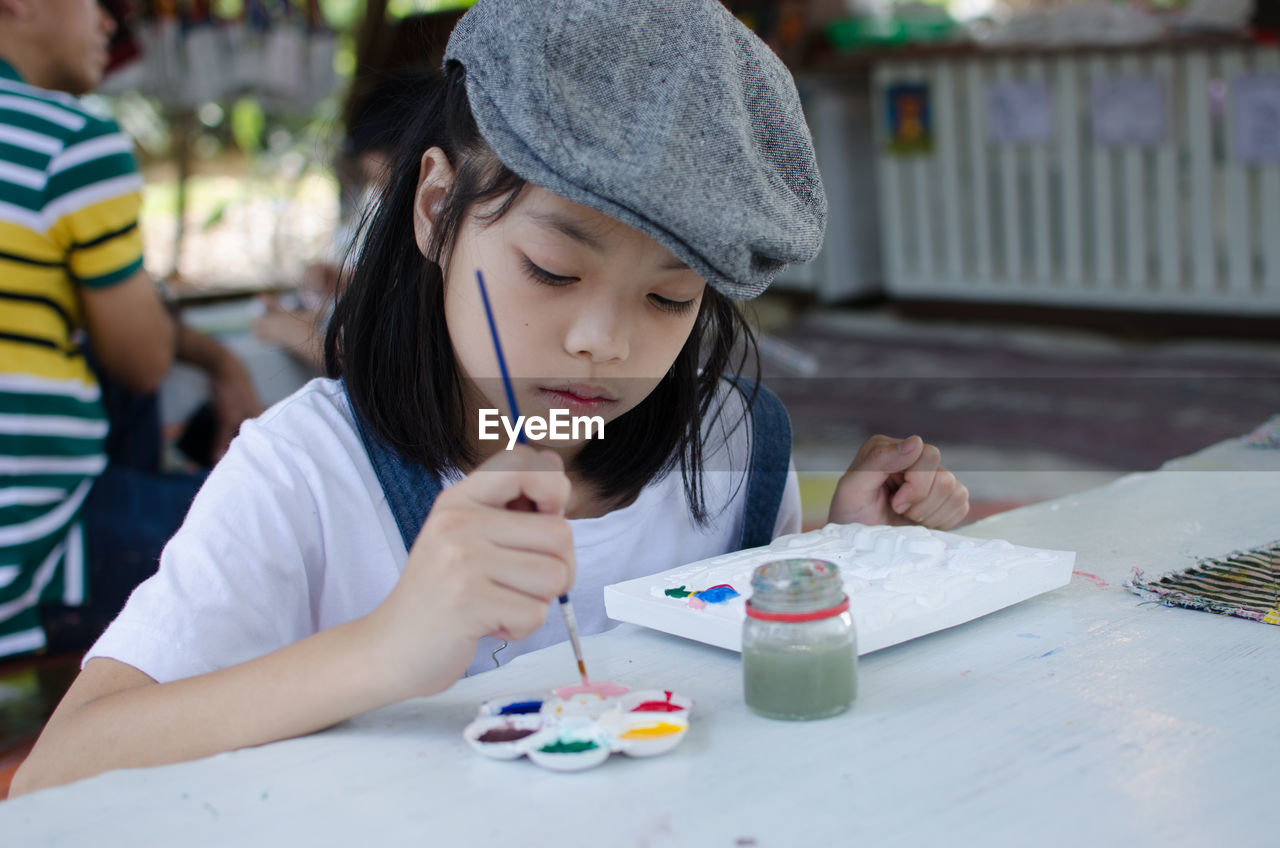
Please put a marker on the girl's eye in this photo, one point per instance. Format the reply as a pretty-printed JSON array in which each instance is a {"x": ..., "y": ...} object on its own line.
[
  {"x": 544, "y": 276},
  {"x": 678, "y": 307}
]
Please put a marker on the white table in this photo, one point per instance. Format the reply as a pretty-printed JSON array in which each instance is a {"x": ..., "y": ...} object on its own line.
[
  {"x": 1080, "y": 717},
  {"x": 1228, "y": 455}
]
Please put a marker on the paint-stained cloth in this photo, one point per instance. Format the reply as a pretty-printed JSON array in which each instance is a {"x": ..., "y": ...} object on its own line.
[
  {"x": 1265, "y": 435},
  {"x": 1244, "y": 584}
]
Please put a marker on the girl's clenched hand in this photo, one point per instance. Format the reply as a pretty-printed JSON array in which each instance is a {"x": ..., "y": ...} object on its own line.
[{"x": 899, "y": 481}]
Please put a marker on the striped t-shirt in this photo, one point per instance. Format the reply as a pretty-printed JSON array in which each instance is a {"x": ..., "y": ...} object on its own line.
[{"x": 69, "y": 201}]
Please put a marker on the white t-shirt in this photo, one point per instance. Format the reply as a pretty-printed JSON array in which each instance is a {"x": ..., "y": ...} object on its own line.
[{"x": 291, "y": 535}]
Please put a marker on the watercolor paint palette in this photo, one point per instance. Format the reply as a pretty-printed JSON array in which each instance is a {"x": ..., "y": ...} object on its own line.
[
  {"x": 578, "y": 727},
  {"x": 902, "y": 582}
]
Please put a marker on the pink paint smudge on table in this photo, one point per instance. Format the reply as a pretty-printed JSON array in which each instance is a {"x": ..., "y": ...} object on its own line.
[{"x": 1092, "y": 578}]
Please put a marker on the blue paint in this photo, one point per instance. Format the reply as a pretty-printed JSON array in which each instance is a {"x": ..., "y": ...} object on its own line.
[
  {"x": 1050, "y": 653},
  {"x": 521, "y": 708},
  {"x": 1028, "y": 636},
  {"x": 717, "y": 594}
]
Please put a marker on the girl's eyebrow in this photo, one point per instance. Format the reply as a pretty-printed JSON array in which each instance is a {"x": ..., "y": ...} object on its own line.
[
  {"x": 576, "y": 231},
  {"x": 567, "y": 226}
]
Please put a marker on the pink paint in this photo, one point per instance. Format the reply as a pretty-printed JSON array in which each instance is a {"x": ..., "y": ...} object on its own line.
[
  {"x": 696, "y": 603},
  {"x": 1093, "y": 578},
  {"x": 601, "y": 690}
]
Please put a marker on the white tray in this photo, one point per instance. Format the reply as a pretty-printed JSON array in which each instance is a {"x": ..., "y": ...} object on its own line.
[{"x": 902, "y": 582}]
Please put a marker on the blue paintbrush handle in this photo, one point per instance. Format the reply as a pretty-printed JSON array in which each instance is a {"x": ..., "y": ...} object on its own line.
[
  {"x": 566, "y": 608},
  {"x": 502, "y": 360}
]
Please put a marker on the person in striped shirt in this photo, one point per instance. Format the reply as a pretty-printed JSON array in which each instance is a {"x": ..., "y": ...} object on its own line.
[{"x": 81, "y": 324}]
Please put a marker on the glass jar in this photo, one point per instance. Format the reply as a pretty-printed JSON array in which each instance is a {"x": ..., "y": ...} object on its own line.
[{"x": 799, "y": 649}]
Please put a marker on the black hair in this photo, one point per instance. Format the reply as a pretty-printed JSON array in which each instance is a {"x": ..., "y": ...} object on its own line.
[
  {"x": 378, "y": 116},
  {"x": 389, "y": 342}
]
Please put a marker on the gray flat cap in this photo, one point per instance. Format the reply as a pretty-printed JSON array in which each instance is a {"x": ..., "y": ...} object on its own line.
[{"x": 668, "y": 115}]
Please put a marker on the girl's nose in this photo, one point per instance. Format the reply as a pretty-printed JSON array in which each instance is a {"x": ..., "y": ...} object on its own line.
[{"x": 598, "y": 332}]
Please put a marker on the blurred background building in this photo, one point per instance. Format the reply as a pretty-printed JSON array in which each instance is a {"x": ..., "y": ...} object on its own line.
[{"x": 1053, "y": 235}]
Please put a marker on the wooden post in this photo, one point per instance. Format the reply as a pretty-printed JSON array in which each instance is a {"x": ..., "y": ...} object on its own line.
[{"x": 181, "y": 129}]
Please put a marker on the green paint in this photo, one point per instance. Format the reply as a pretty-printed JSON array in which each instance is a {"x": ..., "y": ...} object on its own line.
[
  {"x": 564, "y": 746},
  {"x": 680, "y": 592},
  {"x": 799, "y": 681}
]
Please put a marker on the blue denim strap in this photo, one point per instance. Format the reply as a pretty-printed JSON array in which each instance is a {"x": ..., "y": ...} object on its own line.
[
  {"x": 770, "y": 462},
  {"x": 411, "y": 490}
]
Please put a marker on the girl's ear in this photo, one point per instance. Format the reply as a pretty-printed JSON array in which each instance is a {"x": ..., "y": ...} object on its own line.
[{"x": 435, "y": 177}]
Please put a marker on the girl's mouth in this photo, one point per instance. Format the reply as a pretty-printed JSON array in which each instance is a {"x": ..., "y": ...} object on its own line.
[{"x": 578, "y": 397}]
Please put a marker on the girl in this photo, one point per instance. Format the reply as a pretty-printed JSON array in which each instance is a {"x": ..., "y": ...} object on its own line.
[{"x": 620, "y": 172}]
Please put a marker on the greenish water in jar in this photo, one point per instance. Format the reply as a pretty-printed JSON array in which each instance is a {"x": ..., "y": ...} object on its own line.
[{"x": 800, "y": 681}]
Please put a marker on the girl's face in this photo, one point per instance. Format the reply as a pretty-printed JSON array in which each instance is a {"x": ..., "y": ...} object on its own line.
[{"x": 591, "y": 312}]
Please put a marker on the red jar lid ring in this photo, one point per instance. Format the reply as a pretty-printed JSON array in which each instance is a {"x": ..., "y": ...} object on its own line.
[{"x": 813, "y": 615}]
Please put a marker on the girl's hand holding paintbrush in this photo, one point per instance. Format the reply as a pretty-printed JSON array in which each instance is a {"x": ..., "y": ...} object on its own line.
[{"x": 481, "y": 566}]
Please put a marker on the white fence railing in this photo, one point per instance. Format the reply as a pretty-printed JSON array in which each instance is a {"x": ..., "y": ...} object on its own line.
[{"x": 1158, "y": 210}]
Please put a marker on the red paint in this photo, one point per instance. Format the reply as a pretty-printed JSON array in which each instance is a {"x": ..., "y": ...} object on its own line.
[
  {"x": 798, "y": 617},
  {"x": 657, "y": 706},
  {"x": 1093, "y": 578}
]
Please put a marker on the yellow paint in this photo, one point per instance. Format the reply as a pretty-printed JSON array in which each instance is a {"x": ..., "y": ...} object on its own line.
[
  {"x": 1272, "y": 617},
  {"x": 661, "y": 729}
]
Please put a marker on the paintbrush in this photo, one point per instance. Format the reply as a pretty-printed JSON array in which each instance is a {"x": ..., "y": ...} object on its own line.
[{"x": 566, "y": 608}]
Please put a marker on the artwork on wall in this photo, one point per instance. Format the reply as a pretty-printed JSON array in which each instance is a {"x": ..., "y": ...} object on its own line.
[
  {"x": 1129, "y": 111},
  {"x": 1255, "y": 109},
  {"x": 1019, "y": 112},
  {"x": 909, "y": 118}
]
